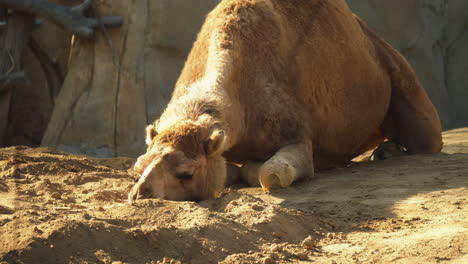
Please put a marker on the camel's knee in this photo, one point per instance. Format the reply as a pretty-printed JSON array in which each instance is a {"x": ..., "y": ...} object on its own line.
[
  {"x": 387, "y": 150},
  {"x": 277, "y": 174},
  {"x": 423, "y": 143},
  {"x": 287, "y": 165}
]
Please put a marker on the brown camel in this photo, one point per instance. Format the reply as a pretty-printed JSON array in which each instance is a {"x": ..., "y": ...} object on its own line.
[{"x": 283, "y": 88}]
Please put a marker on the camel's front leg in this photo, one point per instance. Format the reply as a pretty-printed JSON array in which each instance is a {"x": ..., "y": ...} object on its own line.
[{"x": 286, "y": 166}]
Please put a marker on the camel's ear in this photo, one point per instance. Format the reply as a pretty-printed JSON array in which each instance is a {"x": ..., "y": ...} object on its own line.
[
  {"x": 215, "y": 142},
  {"x": 150, "y": 133}
]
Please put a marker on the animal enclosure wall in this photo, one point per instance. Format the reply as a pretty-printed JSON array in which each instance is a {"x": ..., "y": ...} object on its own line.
[{"x": 111, "y": 94}]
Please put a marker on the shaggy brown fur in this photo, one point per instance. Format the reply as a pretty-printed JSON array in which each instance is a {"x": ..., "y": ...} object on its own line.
[{"x": 292, "y": 85}]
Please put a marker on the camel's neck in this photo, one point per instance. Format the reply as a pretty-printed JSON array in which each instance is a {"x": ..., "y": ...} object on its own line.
[{"x": 213, "y": 98}]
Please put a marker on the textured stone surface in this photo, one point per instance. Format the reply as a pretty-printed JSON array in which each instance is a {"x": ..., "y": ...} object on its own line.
[
  {"x": 103, "y": 107},
  {"x": 107, "y": 100}
]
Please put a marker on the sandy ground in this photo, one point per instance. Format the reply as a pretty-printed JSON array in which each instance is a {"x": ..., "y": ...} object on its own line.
[{"x": 60, "y": 208}]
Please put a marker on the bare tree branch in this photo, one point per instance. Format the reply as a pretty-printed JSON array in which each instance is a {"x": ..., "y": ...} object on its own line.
[
  {"x": 71, "y": 18},
  {"x": 7, "y": 81}
]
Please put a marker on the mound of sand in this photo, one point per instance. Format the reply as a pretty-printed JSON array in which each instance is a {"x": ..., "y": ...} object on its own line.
[{"x": 62, "y": 208}]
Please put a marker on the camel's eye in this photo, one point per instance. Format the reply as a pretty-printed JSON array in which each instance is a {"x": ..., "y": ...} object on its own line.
[{"x": 184, "y": 176}]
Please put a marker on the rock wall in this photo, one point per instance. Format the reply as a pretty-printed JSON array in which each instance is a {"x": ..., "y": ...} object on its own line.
[
  {"x": 115, "y": 87},
  {"x": 110, "y": 94}
]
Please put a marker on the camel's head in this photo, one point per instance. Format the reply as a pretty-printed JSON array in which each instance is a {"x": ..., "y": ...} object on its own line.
[{"x": 183, "y": 162}]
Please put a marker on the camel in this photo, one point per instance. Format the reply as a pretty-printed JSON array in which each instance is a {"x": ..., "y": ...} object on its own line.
[{"x": 283, "y": 88}]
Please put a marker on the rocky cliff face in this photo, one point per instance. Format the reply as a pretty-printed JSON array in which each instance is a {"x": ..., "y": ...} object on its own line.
[{"x": 110, "y": 95}]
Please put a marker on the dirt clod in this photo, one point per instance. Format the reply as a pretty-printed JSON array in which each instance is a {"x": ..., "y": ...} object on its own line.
[
  {"x": 308, "y": 243},
  {"x": 301, "y": 255},
  {"x": 56, "y": 195},
  {"x": 37, "y": 230},
  {"x": 276, "y": 248},
  {"x": 268, "y": 260}
]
